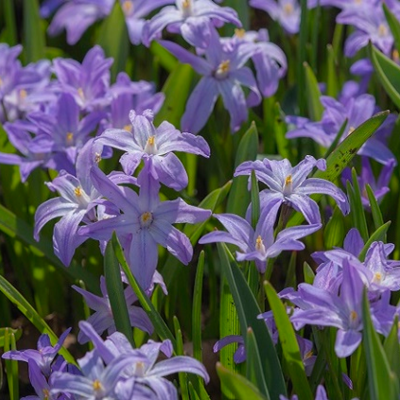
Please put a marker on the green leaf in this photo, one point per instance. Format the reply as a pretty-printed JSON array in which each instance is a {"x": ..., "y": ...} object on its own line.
[
  {"x": 163, "y": 56},
  {"x": 382, "y": 382},
  {"x": 315, "y": 108},
  {"x": 116, "y": 294},
  {"x": 331, "y": 80},
  {"x": 334, "y": 230},
  {"x": 179, "y": 351},
  {"x": 303, "y": 37},
  {"x": 113, "y": 38},
  {"x": 337, "y": 139},
  {"x": 160, "y": 326},
  {"x": 239, "y": 196},
  {"x": 254, "y": 369},
  {"x": 11, "y": 365},
  {"x": 242, "y": 8},
  {"x": 392, "y": 348},
  {"x": 388, "y": 73},
  {"x": 248, "y": 310},
  {"x": 30, "y": 313},
  {"x": 378, "y": 236},
  {"x": 9, "y": 17},
  {"x": 239, "y": 385},
  {"x": 15, "y": 227},
  {"x": 282, "y": 142},
  {"x": 290, "y": 347},
  {"x": 34, "y": 37},
  {"x": 196, "y": 314},
  {"x": 3, "y": 331},
  {"x": 394, "y": 25},
  {"x": 375, "y": 209},
  {"x": 308, "y": 273},
  {"x": 176, "y": 90}
]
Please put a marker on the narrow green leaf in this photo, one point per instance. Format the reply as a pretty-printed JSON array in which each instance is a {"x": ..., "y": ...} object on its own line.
[
  {"x": 375, "y": 209},
  {"x": 308, "y": 273},
  {"x": 34, "y": 37},
  {"x": 3, "y": 331},
  {"x": 303, "y": 37},
  {"x": 392, "y": 348},
  {"x": 239, "y": 385},
  {"x": 11, "y": 366},
  {"x": 394, "y": 25},
  {"x": 254, "y": 371},
  {"x": 113, "y": 38},
  {"x": 176, "y": 90},
  {"x": 248, "y": 310},
  {"x": 179, "y": 351},
  {"x": 331, "y": 80},
  {"x": 160, "y": 326},
  {"x": 30, "y": 313},
  {"x": 196, "y": 314},
  {"x": 9, "y": 16},
  {"x": 15, "y": 227},
  {"x": 239, "y": 196},
  {"x": 382, "y": 382},
  {"x": 388, "y": 73},
  {"x": 282, "y": 142},
  {"x": 192, "y": 392},
  {"x": 334, "y": 230},
  {"x": 378, "y": 235},
  {"x": 315, "y": 108},
  {"x": 164, "y": 57},
  {"x": 290, "y": 347},
  {"x": 116, "y": 295}
]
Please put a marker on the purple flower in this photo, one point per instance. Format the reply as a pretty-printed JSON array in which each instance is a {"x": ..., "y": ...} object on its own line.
[
  {"x": 135, "y": 11},
  {"x": 286, "y": 12},
  {"x": 43, "y": 357},
  {"x": 240, "y": 353},
  {"x": 155, "y": 147},
  {"x": 21, "y": 135},
  {"x": 62, "y": 131},
  {"x": 320, "y": 395},
  {"x": 379, "y": 187},
  {"x": 356, "y": 110},
  {"x": 269, "y": 60},
  {"x": 192, "y": 18},
  {"x": 224, "y": 73},
  {"x": 75, "y": 16},
  {"x": 259, "y": 244},
  {"x": 290, "y": 185},
  {"x": 88, "y": 82},
  {"x": 145, "y": 222},
  {"x": 127, "y": 96}
]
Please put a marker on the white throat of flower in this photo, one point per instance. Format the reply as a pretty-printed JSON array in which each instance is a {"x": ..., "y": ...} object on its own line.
[
  {"x": 127, "y": 7},
  {"x": 81, "y": 197},
  {"x": 187, "y": 8},
  {"x": 288, "y": 9},
  {"x": 260, "y": 245},
  {"x": 382, "y": 30},
  {"x": 151, "y": 146},
  {"x": 223, "y": 69},
  {"x": 288, "y": 186}
]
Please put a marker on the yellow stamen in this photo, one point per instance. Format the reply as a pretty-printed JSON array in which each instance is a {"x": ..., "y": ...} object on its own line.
[
  {"x": 288, "y": 8},
  {"x": 70, "y": 137},
  {"x": 1, "y": 82},
  {"x": 396, "y": 55},
  {"x": 127, "y": 7},
  {"x": 382, "y": 30},
  {"x": 139, "y": 369},
  {"x": 259, "y": 242},
  {"x": 97, "y": 158},
  {"x": 351, "y": 129},
  {"x": 150, "y": 141},
  {"x": 288, "y": 180},
  {"x": 78, "y": 191},
  {"x": 127, "y": 128},
  {"x": 97, "y": 385},
  {"x": 377, "y": 277},
  {"x": 151, "y": 147},
  {"x": 186, "y": 4},
  {"x": 23, "y": 93},
  {"x": 46, "y": 393},
  {"x": 240, "y": 33},
  {"x": 146, "y": 219},
  {"x": 223, "y": 69},
  {"x": 308, "y": 355},
  {"x": 81, "y": 94},
  {"x": 353, "y": 315}
]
